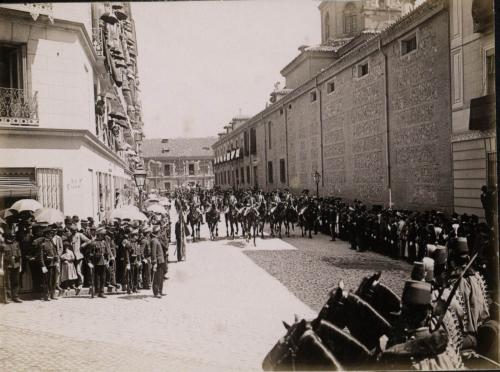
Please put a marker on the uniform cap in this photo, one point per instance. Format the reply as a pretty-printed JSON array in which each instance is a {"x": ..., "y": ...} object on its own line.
[
  {"x": 416, "y": 293},
  {"x": 461, "y": 247},
  {"x": 439, "y": 255},
  {"x": 418, "y": 272},
  {"x": 428, "y": 264},
  {"x": 76, "y": 218}
]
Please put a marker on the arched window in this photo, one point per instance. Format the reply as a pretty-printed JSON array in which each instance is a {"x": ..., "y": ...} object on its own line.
[
  {"x": 350, "y": 19},
  {"x": 327, "y": 26}
]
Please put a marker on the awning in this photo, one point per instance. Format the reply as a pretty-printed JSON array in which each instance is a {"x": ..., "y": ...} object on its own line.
[
  {"x": 482, "y": 113},
  {"x": 18, "y": 186}
]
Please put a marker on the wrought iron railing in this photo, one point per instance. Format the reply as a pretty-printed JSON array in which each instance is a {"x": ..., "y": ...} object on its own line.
[
  {"x": 97, "y": 40},
  {"x": 17, "y": 107}
]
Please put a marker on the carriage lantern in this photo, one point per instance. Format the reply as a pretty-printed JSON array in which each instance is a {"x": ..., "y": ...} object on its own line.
[{"x": 316, "y": 177}]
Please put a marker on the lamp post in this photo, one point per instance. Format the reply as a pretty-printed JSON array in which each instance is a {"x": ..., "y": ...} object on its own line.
[
  {"x": 316, "y": 177},
  {"x": 140, "y": 180}
]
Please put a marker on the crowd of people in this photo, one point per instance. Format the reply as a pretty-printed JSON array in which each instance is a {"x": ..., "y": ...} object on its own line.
[{"x": 120, "y": 254}]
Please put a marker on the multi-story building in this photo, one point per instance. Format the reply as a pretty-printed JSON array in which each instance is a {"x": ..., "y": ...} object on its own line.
[
  {"x": 368, "y": 109},
  {"x": 70, "y": 114},
  {"x": 178, "y": 162},
  {"x": 473, "y": 98}
]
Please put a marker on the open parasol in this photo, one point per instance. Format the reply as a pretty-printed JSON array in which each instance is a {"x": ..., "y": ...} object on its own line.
[
  {"x": 130, "y": 211},
  {"x": 49, "y": 215},
  {"x": 26, "y": 205},
  {"x": 156, "y": 208}
]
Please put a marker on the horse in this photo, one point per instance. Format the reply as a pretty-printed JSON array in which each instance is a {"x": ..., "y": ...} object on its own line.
[
  {"x": 307, "y": 218},
  {"x": 231, "y": 219},
  {"x": 194, "y": 218},
  {"x": 262, "y": 209},
  {"x": 347, "y": 310},
  {"x": 213, "y": 218},
  {"x": 291, "y": 218},
  {"x": 317, "y": 345},
  {"x": 251, "y": 222},
  {"x": 277, "y": 216}
]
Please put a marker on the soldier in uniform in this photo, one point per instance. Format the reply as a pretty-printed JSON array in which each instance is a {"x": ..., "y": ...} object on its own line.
[
  {"x": 145, "y": 243},
  {"x": 12, "y": 264},
  {"x": 99, "y": 254},
  {"x": 158, "y": 262},
  {"x": 48, "y": 259},
  {"x": 130, "y": 247},
  {"x": 111, "y": 267}
]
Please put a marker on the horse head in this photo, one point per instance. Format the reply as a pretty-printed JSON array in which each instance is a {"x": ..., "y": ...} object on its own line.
[{"x": 380, "y": 297}]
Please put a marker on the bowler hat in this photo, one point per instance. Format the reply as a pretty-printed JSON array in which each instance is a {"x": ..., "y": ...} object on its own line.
[{"x": 416, "y": 293}]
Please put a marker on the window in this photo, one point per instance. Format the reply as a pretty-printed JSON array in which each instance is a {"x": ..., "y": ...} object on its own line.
[
  {"x": 327, "y": 26},
  {"x": 11, "y": 67},
  {"x": 270, "y": 171},
  {"x": 166, "y": 170},
  {"x": 269, "y": 135},
  {"x": 362, "y": 69},
  {"x": 282, "y": 171},
  {"x": 248, "y": 174},
  {"x": 167, "y": 185},
  {"x": 409, "y": 45},
  {"x": 255, "y": 177},
  {"x": 242, "y": 171},
  {"x": 490, "y": 71},
  {"x": 253, "y": 141},
  {"x": 313, "y": 96},
  {"x": 350, "y": 19},
  {"x": 191, "y": 169},
  {"x": 236, "y": 176},
  {"x": 281, "y": 111},
  {"x": 330, "y": 87},
  {"x": 290, "y": 106},
  {"x": 245, "y": 143}
]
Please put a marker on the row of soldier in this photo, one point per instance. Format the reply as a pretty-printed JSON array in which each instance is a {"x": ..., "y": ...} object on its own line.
[{"x": 123, "y": 254}]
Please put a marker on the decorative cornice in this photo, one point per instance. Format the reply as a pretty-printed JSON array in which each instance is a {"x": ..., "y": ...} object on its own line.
[
  {"x": 79, "y": 134},
  {"x": 473, "y": 135}
]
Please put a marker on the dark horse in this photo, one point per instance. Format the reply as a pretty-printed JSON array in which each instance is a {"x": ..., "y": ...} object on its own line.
[
  {"x": 276, "y": 218},
  {"x": 332, "y": 348},
  {"x": 307, "y": 218},
  {"x": 262, "y": 208},
  {"x": 251, "y": 222},
  {"x": 231, "y": 219},
  {"x": 194, "y": 218},
  {"x": 213, "y": 218},
  {"x": 291, "y": 218}
]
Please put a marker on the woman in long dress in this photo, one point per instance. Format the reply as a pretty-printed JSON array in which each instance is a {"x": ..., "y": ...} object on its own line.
[{"x": 68, "y": 269}]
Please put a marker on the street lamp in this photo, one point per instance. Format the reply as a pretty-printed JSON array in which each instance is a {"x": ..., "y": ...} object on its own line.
[
  {"x": 140, "y": 180},
  {"x": 316, "y": 177}
]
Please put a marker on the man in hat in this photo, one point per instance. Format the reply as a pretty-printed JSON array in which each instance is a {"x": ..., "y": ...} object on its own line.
[
  {"x": 415, "y": 345},
  {"x": 130, "y": 247},
  {"x": 99, "y": 256},
  {"x": 472, "y": 289},
  {"x": 76, "y": 220},
  {"x": 78, "y": 242},
  {"x": 48, "y": 259},
  {"x": 488, "y": 201},
  {"x": 111, "y": 267},
  {"x": 157, "y": 261},
  {"x": 12, "y": 263},
  {"x": 145, "y": 244}
]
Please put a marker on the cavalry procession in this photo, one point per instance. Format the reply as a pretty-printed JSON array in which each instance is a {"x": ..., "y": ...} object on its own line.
[{"x": 446, "y": 317}]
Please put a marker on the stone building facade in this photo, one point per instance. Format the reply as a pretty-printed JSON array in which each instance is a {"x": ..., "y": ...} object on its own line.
[
  {"x": 473, "y": 97},
  {"x": 70, "y": 113},
  {"x": 375, "y": 122},
  {"x": 178, "y": 162}
]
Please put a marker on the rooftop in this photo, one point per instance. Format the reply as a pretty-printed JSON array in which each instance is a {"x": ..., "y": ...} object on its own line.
[{"x": 178, "y": 147}]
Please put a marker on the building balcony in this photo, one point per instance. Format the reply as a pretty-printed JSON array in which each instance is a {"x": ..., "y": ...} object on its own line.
[
  {"x": 35, "y": 9},
  {"x": 18, "y": 108},
  {"x": 98, "y": 41}
]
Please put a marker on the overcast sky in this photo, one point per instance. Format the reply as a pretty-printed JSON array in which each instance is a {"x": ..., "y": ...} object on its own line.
[{"x": 200, "y": 63}]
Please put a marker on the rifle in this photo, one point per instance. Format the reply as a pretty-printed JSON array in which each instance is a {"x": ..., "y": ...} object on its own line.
[{"x": 453, "y": 291}]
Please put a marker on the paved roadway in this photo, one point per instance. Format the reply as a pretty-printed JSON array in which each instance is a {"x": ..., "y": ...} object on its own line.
[{"x": 222, "y": 312}]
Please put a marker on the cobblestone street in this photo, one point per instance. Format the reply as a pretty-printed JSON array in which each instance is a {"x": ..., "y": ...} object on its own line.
[{"x": 221, "y": 312}]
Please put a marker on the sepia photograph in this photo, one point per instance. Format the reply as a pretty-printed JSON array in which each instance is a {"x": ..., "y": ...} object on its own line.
[{"x": 249, "y": 185}]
